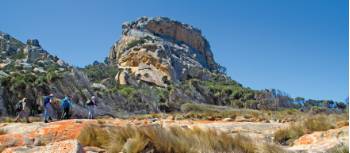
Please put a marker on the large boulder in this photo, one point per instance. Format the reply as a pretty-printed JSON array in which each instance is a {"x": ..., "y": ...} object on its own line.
[{"x": 160, "y": 50}]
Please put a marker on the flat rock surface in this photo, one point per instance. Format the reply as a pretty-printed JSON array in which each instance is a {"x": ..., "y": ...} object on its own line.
[
  {"x": 67, "y": 146},
  {"x": 61, "y": 136}
]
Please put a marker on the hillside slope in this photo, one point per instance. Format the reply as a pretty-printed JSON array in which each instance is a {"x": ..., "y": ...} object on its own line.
[{"x": 157, "y": 66}]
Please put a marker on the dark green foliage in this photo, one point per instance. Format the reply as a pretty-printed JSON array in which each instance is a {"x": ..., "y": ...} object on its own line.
[
  {"x": 100, "y": 71},
  {"x": 127, "y": 91},
  {"x": 19, "y": 85}
]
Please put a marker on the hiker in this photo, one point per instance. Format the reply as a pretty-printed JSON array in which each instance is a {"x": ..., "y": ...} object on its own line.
[
  {"x": 23, "y": 110},
  {"x": 65, "y": 105},
  {"x": 48, "y": 108},
  {"x": 91, "y": 104}
]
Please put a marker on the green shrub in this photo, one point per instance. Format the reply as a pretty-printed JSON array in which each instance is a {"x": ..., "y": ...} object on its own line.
[
  {"x": 126, "y": 91},
  {"x": 98, "y": 72}
]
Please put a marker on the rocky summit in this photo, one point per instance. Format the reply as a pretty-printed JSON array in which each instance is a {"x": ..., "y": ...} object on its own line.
[{"x": 159, "y": 51}]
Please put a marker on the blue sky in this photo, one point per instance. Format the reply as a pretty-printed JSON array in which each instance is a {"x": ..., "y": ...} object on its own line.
[{"x": 298, "y": 46}]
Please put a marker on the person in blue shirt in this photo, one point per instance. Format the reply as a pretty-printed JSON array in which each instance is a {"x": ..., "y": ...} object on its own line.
[
  {"x": 65, "y": 105},
  {"x": 48, "y": 108}
]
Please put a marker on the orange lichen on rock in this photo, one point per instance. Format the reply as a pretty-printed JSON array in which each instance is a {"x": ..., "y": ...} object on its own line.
[{"x": 61, "y": 130}]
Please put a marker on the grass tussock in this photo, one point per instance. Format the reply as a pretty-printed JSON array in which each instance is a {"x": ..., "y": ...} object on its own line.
[
  {"x": 311, "y": 124},
  {"x": 133, "y": 139},
  {"x": 93, "y": 135},
  {"x": 286, "y": 136},
  {"x": 318, "y": 123}
]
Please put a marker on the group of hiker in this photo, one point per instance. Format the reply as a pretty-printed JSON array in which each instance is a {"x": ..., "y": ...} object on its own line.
[{"x": 23, "y": 109}]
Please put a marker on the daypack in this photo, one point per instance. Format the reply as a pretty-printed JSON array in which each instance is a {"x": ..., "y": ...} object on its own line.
[
  {"x": 46, "y": 100},
  {"x": 65, "y": 104},
  {"x": 89, "y": 102},
  {"x": 19, "y": 106}
]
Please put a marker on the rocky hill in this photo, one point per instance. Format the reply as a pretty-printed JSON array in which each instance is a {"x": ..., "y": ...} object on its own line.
[{"x": 157, "y": 66}]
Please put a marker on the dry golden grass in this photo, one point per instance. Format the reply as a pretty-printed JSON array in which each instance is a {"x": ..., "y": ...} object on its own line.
[
  {"x": 212, "y": 112},
  {"x": 93, "y": 135},
  {"x": 319, "y": 123},
  {"x": 286, "y": 136},
  {"x": 310, "y": 124},
  {"x": 133, "y": 139}
]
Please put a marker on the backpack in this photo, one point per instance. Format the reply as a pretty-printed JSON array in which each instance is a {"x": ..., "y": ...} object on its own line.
[
  {"x": 89, "y": 102},
  {"x": 19, "y": 106},
  {"x": 46, "y": 100},
  {"x": 65, "y": 104}
]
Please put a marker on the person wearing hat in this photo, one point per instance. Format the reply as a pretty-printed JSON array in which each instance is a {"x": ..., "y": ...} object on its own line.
[
  {"x": 91, "y": 104},
  {"x": 23, "y": 110}
]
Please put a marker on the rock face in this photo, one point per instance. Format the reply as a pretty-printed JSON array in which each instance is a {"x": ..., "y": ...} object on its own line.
[
  {"x": 33, "y": 51},
  {"x": 160, "y": 50}
]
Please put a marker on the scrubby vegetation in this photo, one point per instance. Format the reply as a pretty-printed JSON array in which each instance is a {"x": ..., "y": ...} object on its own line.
[
  {"x": 309, "y": 124},
  {"x": 97, "y": 72},
  {"x": 212, "y": 112},
  {"x": 175, "y": 140},
  {"x": 18, "y": 85}
]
